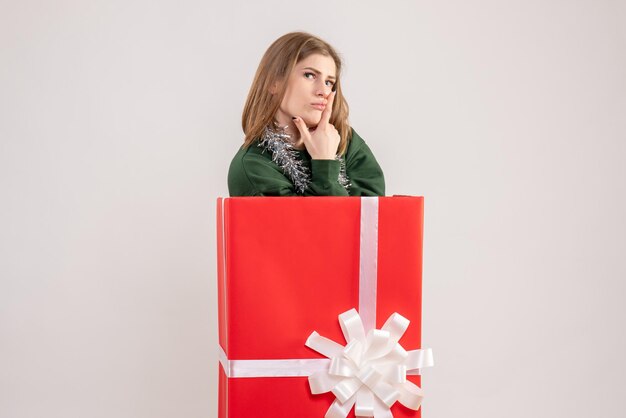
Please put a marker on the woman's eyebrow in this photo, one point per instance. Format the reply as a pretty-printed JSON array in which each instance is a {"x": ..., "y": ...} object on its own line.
[{"x": 319, "y": 72}]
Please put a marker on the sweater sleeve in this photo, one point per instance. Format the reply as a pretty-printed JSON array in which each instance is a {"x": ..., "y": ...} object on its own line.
[
  {"x": 325, "y": 179},
  {"x": 253, "y": 175},
  {"x": 365, "y": 174}
]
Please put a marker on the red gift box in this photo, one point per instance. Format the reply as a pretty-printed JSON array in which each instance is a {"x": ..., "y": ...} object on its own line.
[{"x": 288, "y": 267}]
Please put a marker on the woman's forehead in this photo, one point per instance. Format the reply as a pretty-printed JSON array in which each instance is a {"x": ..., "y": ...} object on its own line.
[{"x": 322, "y": 63}]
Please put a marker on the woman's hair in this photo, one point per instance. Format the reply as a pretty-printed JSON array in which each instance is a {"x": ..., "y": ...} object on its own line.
[{"x": 275, "y": 68}]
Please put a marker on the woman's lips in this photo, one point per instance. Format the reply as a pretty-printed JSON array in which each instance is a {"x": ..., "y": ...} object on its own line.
[{"x": 318, "y": 106}]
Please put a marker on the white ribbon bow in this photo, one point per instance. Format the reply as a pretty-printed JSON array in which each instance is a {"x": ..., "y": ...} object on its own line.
[{"x": 369, "y": 371}]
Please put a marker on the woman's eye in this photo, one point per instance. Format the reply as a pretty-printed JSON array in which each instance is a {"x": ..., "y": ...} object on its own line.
[{"x": 332, "y": 83}]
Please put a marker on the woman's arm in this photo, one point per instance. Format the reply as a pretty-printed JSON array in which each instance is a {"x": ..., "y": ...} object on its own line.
[
  {"x": 254, "y": 175},
  {"x": 325, "y": 179},
  {"x": 363, "y": 170}
]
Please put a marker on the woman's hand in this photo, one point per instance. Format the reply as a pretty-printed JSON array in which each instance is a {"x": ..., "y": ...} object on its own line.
[{"x": 323, "y": 141}]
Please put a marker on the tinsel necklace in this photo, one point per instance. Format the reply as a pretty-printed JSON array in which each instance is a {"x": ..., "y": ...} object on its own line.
[{"x": 276, "y": 140}]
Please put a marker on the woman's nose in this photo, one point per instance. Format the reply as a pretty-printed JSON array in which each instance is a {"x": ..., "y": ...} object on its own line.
[{"x": 323, "y": 90}]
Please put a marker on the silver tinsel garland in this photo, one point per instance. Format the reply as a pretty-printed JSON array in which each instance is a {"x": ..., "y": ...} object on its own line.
[{"x": 278, "y": 142}]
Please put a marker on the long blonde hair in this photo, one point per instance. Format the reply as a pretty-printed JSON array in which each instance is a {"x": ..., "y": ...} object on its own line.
[{"x": 276, "y": 65}]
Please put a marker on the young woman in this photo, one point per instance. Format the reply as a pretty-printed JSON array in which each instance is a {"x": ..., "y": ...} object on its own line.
[{"x": 298, "y": 141}]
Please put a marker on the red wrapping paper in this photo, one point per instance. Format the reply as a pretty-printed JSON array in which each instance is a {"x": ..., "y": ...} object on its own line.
[{"x": 290, "y": 266}]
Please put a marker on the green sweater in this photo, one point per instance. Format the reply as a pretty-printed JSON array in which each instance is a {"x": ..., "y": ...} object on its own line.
[{"x": 253, "y": 173}]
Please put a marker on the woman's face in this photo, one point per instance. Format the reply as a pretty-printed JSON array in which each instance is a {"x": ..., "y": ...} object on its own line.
[{"x": 309, "y": 85}]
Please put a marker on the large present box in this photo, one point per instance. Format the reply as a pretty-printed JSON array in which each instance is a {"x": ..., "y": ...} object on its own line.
[{"x": 320, "y": 304}]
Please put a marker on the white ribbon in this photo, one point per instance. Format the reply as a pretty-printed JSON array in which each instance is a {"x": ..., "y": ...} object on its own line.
[
  {"x": 272, "y": 368},
  {"x": 369, "y": 372},
  {"x": 368, "y": 265}
]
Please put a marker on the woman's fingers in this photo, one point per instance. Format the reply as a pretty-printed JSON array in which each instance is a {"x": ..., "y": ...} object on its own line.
[
  {"x": 328, "y": 110},
  {"x": 301, "y": 125},
  {"x": 322, "y": 142}
]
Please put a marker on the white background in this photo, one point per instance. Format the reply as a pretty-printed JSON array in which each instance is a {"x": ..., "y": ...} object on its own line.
[{"x": 118, "y": 120}]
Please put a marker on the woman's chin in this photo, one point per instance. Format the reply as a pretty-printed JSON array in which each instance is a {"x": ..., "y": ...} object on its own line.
[{"x": 312, "y": 121}]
